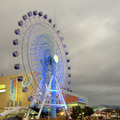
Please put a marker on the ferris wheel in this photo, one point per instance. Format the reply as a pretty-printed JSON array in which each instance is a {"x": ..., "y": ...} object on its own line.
[{"x": 44, "y": 60}]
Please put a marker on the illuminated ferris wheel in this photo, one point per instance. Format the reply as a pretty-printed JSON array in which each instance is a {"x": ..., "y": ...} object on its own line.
[{"x": 44, "y": 60}]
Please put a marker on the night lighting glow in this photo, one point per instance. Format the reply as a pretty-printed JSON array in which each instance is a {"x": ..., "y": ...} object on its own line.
[
  {"x": 56, "y": 58},
  {"x": 2, "y": 86},
  {"x": 81, "y": 99},
  {"x": 4, "y": 90}
]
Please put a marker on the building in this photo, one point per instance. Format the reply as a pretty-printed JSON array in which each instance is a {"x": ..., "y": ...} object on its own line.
[
  {"x": 11, "y": 94},
  {"x": 74, "y": 99}
]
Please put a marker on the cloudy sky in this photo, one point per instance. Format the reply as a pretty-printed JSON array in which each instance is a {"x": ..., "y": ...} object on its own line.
[{"x": 91, "y": 29}]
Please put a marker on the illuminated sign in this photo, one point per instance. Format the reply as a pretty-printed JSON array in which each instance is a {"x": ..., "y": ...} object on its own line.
[
  {"x": 4, "y": 90},
  {"x": 13, "y": 89},
  {"x": 81, "y": 99},
  {"x": 2, "y": 86},
  {"x": 26, "y": 80}
]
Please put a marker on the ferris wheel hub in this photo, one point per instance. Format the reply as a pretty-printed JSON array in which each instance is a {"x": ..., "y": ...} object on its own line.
[{"x": 56, "y": 58}]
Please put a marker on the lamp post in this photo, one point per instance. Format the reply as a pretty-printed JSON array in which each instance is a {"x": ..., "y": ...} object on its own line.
[{"x": 82, "y": 115}]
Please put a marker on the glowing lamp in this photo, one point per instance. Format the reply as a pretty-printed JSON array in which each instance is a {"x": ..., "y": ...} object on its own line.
[
  {"x": 62, "y": 113},
  {"x": 56, "y": 58}
]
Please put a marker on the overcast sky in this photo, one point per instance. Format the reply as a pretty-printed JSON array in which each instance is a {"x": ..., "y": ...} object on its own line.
[{"x": 91, "y": 29}]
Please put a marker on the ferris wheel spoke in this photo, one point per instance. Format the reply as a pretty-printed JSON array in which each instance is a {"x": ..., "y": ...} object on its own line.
[
  {"x": 36, "y": 51},
  {"x": 36, "y": 64}
]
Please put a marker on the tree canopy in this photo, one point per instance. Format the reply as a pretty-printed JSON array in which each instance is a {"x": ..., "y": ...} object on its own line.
[{"x": 78, "y": 112}]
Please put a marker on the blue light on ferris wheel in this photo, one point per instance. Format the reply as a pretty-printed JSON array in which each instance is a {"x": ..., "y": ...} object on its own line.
[
  {"x": 40, "y": 14},
  {"x": 64, "y": 88},
  {"x": 66, "y": 53},
  {"x": 69, "y": 82},
  {"x": 35, "y": 13},
  {"x": 50, "y": 20},
  {"x": 69, "y": 75},
  {"x": 30, "y": 98},
  {"x": 20, "y": 23},
  {"x": 69, "y": 67},
  {"x": 24, "y": 89},
  {"x": 64, "y": 45},
  {"x": 68, "y": 60},
  {"x": 66, "y": 95},
  {"x": 30, "y": 14},
  {"x": 15, "y": 42},
  {"x": 58, "y": 31},
  {"x": 54, "y": 26},
  {"x": 61, "y": 38},
  {"x": 24, "y": 17},
  {"x": 15, "y": 54},
  {"x": 20, "y": 78},
  {"x": 45, "y": 16},
  {"x": 17, "y": 31},
  {"x": 17, "y": 66},
  {"x": 68, "y": 89}
]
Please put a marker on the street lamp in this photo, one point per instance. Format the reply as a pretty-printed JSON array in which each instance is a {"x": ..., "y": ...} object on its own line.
[{"x": 62, "y": 113}]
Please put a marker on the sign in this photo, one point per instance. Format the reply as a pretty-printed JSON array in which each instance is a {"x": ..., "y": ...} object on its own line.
[
  {"x": 27, "y": 80},
  {"x": 2, "y": 86},
  {"x": 13, "y": 89},
  {"x": 4, "y": 90},
  {"x": 82, "y": 100}
]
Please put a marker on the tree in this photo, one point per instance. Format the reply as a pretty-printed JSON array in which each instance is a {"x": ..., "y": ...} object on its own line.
[
  {"x": 87, "y": 111},
  {"x": 100, "y": 117},
  {"x": 76, "y": 111},
  {"x": 67, "y": 117}
]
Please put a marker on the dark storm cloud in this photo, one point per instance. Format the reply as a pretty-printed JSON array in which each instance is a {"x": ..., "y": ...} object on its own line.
[
  {"x": 91, "y": 30},
  {"x": 95, "y": 51}
]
